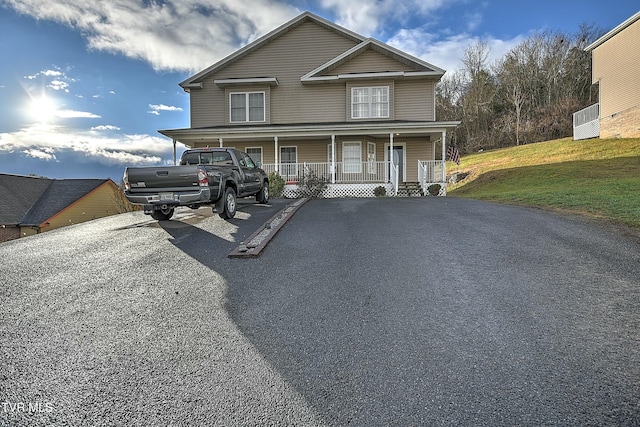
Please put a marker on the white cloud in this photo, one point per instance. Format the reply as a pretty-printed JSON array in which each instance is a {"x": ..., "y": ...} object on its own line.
[
  {"x": 51, "y": 73},
  {"x": 39, "y": 154},
  {"x": 72, "y": 114},
  {"x": 175, "y": 35},
  {"x": 105, "y": 127},
  {"x": 447, "y": 53},
  {"x": 120, "y": 149},
  {"x": 156, "y": 108},
  {"x": 367, "y": 17},
  {"x": 59, "y": 85}
]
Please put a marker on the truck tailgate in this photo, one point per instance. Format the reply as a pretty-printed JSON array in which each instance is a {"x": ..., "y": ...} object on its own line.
[{"x": 170, "y": 178}]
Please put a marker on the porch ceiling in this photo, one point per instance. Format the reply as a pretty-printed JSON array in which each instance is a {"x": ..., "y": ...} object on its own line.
[{"x": 190, "y": 136}]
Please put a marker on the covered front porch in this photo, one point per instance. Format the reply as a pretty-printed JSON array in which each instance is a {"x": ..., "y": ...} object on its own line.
[
  {"x": 353, "y": 159},
  {"x": 359, "y": 180}
]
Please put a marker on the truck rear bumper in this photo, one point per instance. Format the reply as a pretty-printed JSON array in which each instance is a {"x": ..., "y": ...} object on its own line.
[{"x": 171, "y": 198}]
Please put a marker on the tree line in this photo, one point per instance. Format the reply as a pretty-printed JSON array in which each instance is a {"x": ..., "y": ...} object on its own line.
[{"x": 528, "y": 95}]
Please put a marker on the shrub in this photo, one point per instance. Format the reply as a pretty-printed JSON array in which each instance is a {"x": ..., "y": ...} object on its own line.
[
  {"x": 276, "y": 184},
  {"x": 434, "y": 189},
  {"x": 380, "y": 191},
  {"x": 311, "y": 185}
]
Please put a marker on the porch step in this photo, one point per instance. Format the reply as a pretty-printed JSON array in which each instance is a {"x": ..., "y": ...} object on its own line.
[{"x": 410, "y": 189}]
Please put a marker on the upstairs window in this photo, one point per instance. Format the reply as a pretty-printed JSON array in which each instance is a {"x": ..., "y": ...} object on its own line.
[
  {"x": 370, "y": 102},
  {"x": 246, "y": 107}
]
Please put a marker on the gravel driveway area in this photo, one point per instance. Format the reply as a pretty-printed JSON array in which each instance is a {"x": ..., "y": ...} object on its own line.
[{"x": 421, "y": 311}]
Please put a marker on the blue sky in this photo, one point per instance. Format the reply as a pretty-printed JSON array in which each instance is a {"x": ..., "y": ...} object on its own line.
[{"x": 86, "y": 84}]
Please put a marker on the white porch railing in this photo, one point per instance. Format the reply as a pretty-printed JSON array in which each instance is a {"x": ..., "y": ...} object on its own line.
[
  {"x": 357, "y": 179},
  {"x": 345, "y": 173},
  {"x": 430, "y": 171},
  {"x": 586, "y": 122}
]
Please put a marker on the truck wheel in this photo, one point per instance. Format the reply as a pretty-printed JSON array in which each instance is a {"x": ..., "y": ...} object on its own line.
[
  {"x": 162, "y": 214},
  {"x": 229, "y": 205},
  {"x": 263, "y": 194}
]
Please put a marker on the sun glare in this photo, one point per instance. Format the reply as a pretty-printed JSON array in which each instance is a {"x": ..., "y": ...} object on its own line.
[{"x": 42, "y": 109}]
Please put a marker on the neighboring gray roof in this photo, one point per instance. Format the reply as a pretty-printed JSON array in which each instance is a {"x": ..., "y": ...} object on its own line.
[
  {"x": 28, "y": 200},
  {"x": 18, "y": 193},
  {"x": 58, "y": 196},
  {"x": 613, "y": 32}
]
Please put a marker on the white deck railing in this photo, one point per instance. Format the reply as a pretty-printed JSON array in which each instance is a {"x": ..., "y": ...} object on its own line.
[
  {"x": 586, "y": 122},
  {"x": 430, "y": 171},
  {"x": 363, "y": 172}
]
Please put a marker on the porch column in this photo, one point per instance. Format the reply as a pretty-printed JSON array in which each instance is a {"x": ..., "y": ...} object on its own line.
[
  {"x": 275, "y": 144},
  {"x": 444, "y": 155},
  {"x": 333, "y": 159},
  {"x": 174, "y": 152},
  {"x": 220, "y": 142}
]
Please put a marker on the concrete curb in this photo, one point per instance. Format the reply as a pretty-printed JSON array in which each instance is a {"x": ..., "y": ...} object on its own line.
[{"x": 261, "y": 237}]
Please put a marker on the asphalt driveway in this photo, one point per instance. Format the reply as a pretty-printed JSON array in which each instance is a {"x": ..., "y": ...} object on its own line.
[{"x": 429, "y": 311}]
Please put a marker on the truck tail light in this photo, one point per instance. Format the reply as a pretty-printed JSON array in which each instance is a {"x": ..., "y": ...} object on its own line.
[{"x": 203, "y": 178}]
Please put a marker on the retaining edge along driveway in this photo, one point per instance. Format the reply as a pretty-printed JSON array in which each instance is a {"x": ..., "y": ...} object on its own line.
[{"x": 263, "y": 235}]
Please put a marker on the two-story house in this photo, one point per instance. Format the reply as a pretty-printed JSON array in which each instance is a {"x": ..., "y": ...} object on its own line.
[
  {"x": 615, "y": 59},
  {"x": 314, "y": 96}
]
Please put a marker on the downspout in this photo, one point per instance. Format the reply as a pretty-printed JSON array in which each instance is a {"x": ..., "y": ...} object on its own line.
[
  {"x": 333, "y": 159},
  {"x": 275, "y": 144},
  {"x": 444, "y": 155}
]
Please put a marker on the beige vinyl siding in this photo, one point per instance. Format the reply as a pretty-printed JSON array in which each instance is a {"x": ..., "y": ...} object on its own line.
[
  {"x": 286, "y": 58},
  {"x": 99, "y": 203},
  {"x": 417, "y": 149},
  {"x": 616, "y": 66},
  {"x": 414, "y": 100},
  {"x": 208, "y": 106},
  {"x": 370, "y": 61}
]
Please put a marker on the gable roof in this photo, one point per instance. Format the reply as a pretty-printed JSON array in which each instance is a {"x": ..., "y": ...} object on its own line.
[
  {"x": 59, "y": 195},
  {"x": 18, "y": 194},
  {"x": 422, "y": 68},
  {"x": 613, "y": 32},
  {"x": 29, "y": 200}
]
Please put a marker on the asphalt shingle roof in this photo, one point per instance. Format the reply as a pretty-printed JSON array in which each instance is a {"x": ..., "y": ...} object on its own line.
[
  {"x": 18, "y": 193},
  {"x": 28, "y": 200}
]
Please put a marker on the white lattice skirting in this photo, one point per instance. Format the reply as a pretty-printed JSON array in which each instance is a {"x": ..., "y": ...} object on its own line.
[{"x": 291, "y": 191}]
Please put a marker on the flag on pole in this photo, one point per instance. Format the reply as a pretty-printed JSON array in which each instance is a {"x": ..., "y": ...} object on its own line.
[{"x": 453, "y": 154}]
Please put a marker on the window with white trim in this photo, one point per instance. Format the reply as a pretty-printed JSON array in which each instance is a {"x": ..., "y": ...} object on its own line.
[
  {"x": 351, "y": 157},
  {"x": 256, "y": 154},
  {"x": 246, "y": 107},
  {"x": 370, "y": 102}
]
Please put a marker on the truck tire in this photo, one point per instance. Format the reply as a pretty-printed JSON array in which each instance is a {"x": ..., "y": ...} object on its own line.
[
  {"x": 229, "y": 204},
  {"x": 263, "y": 194},
  {"x": 162, "y": 214}
]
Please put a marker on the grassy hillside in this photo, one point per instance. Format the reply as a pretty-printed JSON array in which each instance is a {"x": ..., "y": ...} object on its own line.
[{"x": 596, "y": 177}]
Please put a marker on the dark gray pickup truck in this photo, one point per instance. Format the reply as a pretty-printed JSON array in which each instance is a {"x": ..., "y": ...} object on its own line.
[{"x": 205, "y": 176}]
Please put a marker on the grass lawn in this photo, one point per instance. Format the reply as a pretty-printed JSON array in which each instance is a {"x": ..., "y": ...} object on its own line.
[{"x": 595, "y": 177}]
